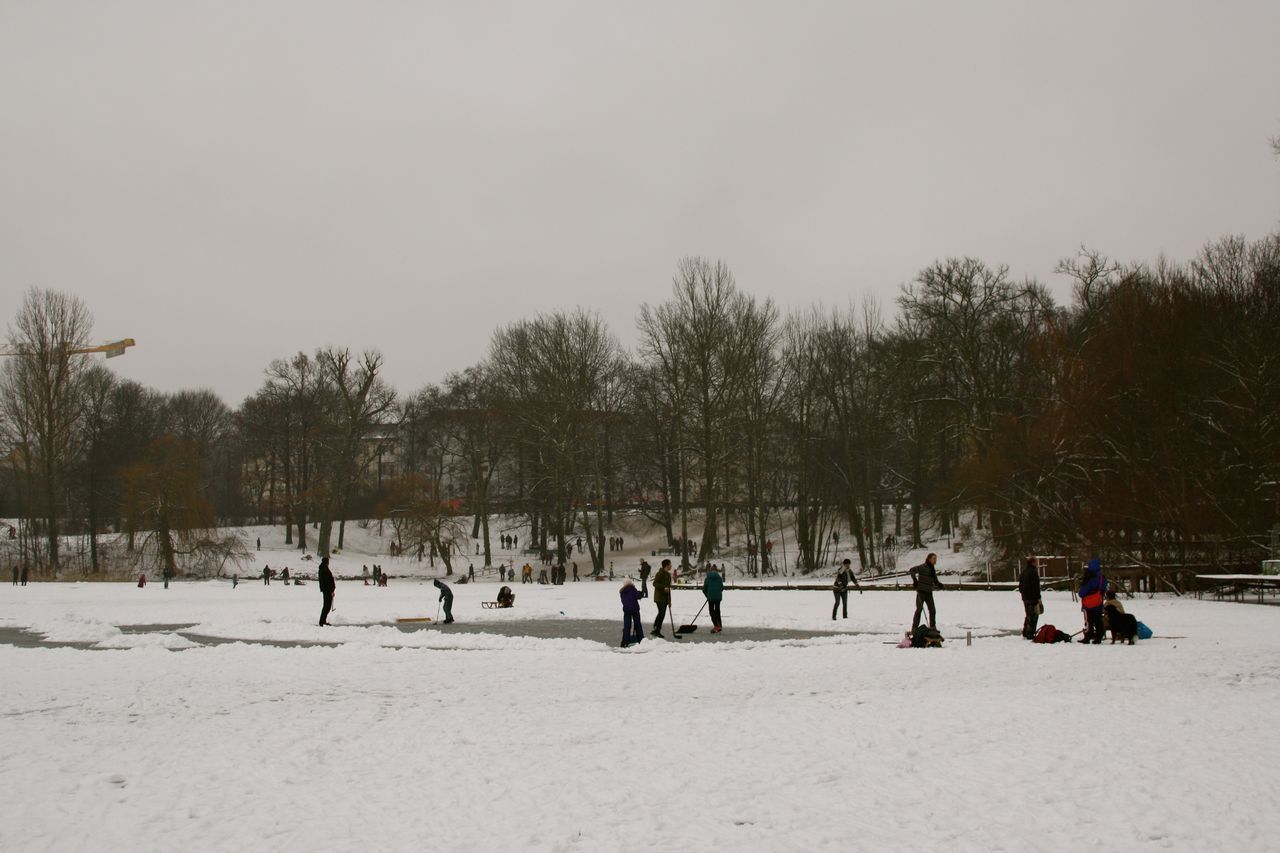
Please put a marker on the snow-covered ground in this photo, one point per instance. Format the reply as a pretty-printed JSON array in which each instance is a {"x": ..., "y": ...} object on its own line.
[{"x": 430, "y": 740}]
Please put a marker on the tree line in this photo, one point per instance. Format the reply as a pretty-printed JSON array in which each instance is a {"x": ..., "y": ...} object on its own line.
[{"x": 1138, "y": 421}]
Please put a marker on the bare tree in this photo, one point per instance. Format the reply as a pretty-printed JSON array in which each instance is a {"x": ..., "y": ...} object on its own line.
[
  {"x": 94, "y": 448},
  {"x": 295, "y": 388},
  {"x": 694, "y": 340},
  {"x": 422, "y": 516},
  {"x": 42, "y": 391},
  {"x": 360, "y": 401},
  {"x": 556, "y": 372},
  {"x": 165, "y": 507},
  {"x": 466, "y": 411}
]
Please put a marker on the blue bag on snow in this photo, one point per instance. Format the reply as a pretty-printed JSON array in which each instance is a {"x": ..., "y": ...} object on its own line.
[{"x": 1145, "y": 633}]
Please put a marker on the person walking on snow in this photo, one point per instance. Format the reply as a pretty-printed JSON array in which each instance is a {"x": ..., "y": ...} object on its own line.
[
  {"x": 713, "y": 589},
  {"x": 327, "y": 588},
  {"x": 841, "y": 588},
  {"x": 1029, "y": 589},
  {"x": 1092, "y": 591},
  {"x": 924, "y": 578},
  {"x": 446, "y": 596},
  {"x": 661, "y": 595},
  {"x": 632, "y": 633}
]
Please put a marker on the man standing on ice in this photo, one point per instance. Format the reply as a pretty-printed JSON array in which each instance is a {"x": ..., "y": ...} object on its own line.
[
  {"x": 841, "y": 589},
  {"x": 1029, "y": 588},
  {"x": 924, "y": 578},
  {"x": 446, "y": 596},
  {"x": 326, "y": 589},
  {"x": 661, "y": 595}
]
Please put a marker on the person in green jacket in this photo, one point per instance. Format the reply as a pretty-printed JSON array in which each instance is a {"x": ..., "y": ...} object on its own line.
[
  {"x": 661, "y": 595},
  {"x": 713, "y": 589}
]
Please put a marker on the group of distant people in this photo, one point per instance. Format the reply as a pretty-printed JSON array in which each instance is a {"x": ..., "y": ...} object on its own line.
[{"x": 379, "y": 577}]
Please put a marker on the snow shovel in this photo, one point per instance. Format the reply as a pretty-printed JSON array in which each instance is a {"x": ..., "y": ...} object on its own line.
[
  {"x": 675, "y": 635},
  {"x": 692, "y": 626}
]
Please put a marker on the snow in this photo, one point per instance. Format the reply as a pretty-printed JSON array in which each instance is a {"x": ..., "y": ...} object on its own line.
[{"x": 388, "y": 740}]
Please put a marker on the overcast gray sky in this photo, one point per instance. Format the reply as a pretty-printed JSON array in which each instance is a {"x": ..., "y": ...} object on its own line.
[{"x": 231, "y": 182}]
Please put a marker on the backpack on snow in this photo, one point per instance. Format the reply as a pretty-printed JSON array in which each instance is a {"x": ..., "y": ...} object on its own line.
[
  {"x": 925, "y": 637},
  {"x": 1050, "y": 634}
]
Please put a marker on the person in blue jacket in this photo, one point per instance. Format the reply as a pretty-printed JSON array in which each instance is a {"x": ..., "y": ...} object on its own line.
[
  {"x": 631, "y": 630},
  {"x": 1092, "y": 591},
  {"x": 446, "y": 595},
  {"x": 713, "y": 589}
]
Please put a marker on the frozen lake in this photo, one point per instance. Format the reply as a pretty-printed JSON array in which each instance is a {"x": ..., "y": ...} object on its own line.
[{"x": 528, "y": 729}]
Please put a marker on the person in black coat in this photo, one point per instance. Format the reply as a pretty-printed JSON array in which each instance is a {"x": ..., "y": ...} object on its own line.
[
  {"x": 1029, "y": 589},
  {"x": 924, "y": 578},
  {"x": 841, "y": 588},
  {"x": 326, "y": 589},
  {"x": 446, "y": 596}
]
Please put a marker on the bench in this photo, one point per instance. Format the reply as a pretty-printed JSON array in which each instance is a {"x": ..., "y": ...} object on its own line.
[{"x": 1237, "y": 585}]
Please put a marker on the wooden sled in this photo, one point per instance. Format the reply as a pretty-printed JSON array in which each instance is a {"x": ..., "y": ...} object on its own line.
[{"x": 415, "y": 619}]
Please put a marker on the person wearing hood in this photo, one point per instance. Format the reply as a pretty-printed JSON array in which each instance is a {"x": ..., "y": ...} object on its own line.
[
  {"x": 446, "y": 596},
  {"x": 1092, "y": 591},
  {"x": 713, "y": 589},
  {"x": 1029, "y": 589},
  {"x": 632, "y": 633},
  {"x": 327, "y": 588}
]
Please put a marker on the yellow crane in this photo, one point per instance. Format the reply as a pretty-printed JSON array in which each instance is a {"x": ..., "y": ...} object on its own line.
[{"x": 111, "y": 348}]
